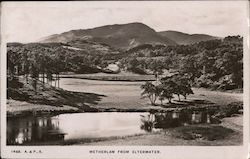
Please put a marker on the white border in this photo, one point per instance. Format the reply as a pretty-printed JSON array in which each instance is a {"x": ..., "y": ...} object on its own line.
[{"x": 173, "y": 152}]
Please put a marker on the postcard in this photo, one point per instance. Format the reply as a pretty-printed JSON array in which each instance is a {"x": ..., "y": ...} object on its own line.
[{"x": 125, "y": 79}]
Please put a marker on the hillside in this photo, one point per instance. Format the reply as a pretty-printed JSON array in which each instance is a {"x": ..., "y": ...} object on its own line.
[
  {"x": 54, "y": 57},
  {"x": 45, "y": 98},
  {"x": 186, "y": 39},
  {"x": 215, "y": 64},
  {"x": 119, "y": 36}
]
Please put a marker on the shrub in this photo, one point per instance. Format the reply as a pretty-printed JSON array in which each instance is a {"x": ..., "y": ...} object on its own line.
[{"x": 230, "y": 109}]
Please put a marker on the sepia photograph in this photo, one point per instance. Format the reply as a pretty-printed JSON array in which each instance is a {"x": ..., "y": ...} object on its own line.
[{"x": 89, "y": 74}]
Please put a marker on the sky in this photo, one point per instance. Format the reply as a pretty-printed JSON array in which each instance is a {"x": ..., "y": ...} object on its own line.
[{"x": 31, "y": 21}]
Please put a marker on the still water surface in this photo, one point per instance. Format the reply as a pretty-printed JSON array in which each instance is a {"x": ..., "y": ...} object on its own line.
[{"x": 80, "y": 126}]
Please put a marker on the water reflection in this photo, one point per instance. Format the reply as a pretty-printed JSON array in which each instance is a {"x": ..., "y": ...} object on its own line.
[
  {"x": 55, "y": 129},
  {"x": 152, "y": 122},
  {"x": 66, "y": 127},
  {"x": 31, "y": 129}
]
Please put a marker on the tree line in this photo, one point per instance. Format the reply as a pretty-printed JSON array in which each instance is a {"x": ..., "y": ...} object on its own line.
[
  {"x": 216, "y": 64},
  {"x": 35, "y": 61},
  {"x": 45, "y": 61}
]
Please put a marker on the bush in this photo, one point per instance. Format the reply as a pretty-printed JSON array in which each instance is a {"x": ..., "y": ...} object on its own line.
[
  {"x": 138, "y": 71},
  {"x": 17, "y": 94},
  {"x": 204, "y": 81},
  {"x": 230, "y": 109},
  {"x": 205, "y": 133},
  {"x": 14, "y": 83}
]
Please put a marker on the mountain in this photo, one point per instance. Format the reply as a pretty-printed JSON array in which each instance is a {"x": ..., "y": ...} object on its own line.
[
  {"x": 184, "y": 38},
  {"x": 91, "y": 47},
  {"x": 119, "y": 36}
]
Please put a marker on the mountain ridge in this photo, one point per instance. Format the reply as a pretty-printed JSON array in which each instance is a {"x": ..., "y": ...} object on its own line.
[
  {"x": 127, "y": 36},
  {"x": 185, "y": 38},
  {"x": 119, "y": 36}
]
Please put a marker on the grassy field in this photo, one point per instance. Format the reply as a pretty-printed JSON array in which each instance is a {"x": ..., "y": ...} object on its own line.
[
  {"x": 127, "y": 95},
  {"x": 105, "y": 95}
]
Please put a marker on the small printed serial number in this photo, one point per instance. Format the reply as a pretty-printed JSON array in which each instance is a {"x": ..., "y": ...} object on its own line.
[{"x": 26, "y": 151}]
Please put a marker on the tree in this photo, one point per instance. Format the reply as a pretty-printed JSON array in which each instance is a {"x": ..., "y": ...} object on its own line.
[
  {"x": 189, "y": 66},
  {"x": 166, "y": 94},
  {"x": 186, "y": 90},
  {"x": 150, "y": 91},
  {"x": 160, "y": 92},
  {"x": 156, "y": 66},
  {"x": 26, "y": 64},
  {"x": 34, "y": 75},
  {"x": 13, "y": 62},
  {"x": 182, "y": 85},
  {"x": 168, "y": 89}
]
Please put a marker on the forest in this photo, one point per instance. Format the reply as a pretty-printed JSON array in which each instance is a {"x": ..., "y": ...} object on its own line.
[{"x": 216, "y": 64}]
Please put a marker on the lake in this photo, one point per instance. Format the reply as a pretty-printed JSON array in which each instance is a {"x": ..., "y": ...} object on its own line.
[
  {"x": 88, "y": 127},
  {"x": 84, "y": 126}
]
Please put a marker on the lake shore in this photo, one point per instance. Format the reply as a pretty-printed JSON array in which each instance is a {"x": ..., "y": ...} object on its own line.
[
  {"x": 228, "y": 133},
  {"x": 110, "y": 96},
  {"x": 223, "y": 134},
  {"x": 21, "y": 108},
  {"x": 175, "y": 137}
]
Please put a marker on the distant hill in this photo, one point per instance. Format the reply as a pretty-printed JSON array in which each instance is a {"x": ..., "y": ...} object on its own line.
[
  {"x": 91, "y": 47},
  {"x": 119, "y": 36},
  {"x": 184, "y": 38}
]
